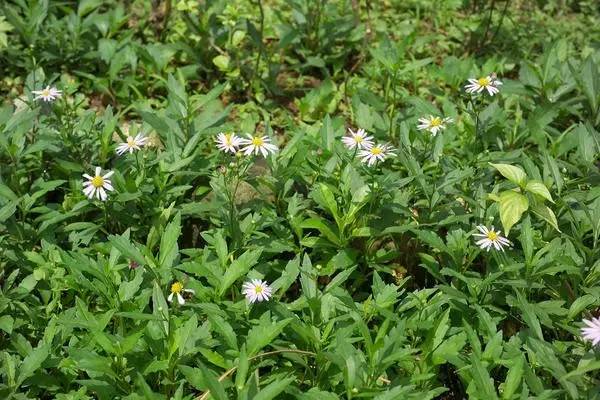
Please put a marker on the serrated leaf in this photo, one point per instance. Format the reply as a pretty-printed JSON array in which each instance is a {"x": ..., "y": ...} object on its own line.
[
  {"x": 127, "y": 249},
  {"x": 513, "y": 378},
  {"x": 263, "y": 334},
  {"x": 238, "y": 268},
  {"x": 32, "y": 363}
]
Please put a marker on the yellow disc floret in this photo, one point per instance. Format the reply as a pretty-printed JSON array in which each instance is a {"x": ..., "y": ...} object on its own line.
[
  {"x": 97, "y": 181},
  {"x": 492, "y": 235},
  {"x": 437, "y": 121},
  {"x": 484, "y": 81},
  {"x": 177, "y": 287},
  {"x": 257, "y": 141}
]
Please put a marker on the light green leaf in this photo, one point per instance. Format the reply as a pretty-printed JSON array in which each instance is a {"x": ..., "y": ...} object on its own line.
[
  {"x": 538, "y": 187},
  {"x": 222, "y": 62},
  {"x": 514, "y": 174},
  {"x": 545, "y": 213},
  {"x": 512, "y": 205}
]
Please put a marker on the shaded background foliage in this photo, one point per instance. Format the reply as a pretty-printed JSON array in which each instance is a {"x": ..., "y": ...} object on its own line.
[{"x": 380, "y": 292}]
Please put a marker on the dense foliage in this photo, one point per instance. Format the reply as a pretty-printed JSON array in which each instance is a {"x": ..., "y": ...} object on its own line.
[{"x": 379, "y": 287}]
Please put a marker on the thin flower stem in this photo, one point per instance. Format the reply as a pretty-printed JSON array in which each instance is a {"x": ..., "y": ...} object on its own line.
[{"x": 231, "y": 370}]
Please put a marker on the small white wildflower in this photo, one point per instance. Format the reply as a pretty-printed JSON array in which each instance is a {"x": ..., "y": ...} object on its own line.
[
  {"x": 257, "y": 290},
  {"x": 375, "y": 153},
  {"x": 132, "y": 143},
  {"x": 358, "y": 139},
  {"x": 228, "y": 142},
  {"x": 47, "y": 94},
  {"x": 489, "y": 83},
  {"x": 592, "y": 330},
  {"x": 433, "y": 124},
  {"x": 256, "y": 144},
  {"x": 489, "y": 238},
  {"x": 97, "y": 185},
  {"x": 176, "y": 290}
]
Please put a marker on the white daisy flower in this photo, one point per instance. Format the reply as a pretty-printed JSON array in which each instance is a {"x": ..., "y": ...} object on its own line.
[
  {"x": 97, "y": 185},
  {"x": 47, "y": 94},
  {"x": 228, "y": 142},
  {"x": 257, "y": 290},
  {"x": 132, "y": 143},
  {"x": 433, "y": 124},
  {"x": 375, "y": 153},
  {"x": 489, "y": 83},
  {"x": 490, "y": 238},
  {"x": 358, "y": 139},
  {"x": 255, "y": 144},
  {"x": 592, "y": 330},
  {"x": 177, "y": 290}
]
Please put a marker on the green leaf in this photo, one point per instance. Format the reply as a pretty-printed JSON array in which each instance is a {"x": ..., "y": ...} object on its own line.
[
  {"x": 512, "y": 205},
  {"x": 223, "y": 328},
  {"x": 238, "y": 268},
  {"x": 545, "y": 213},
  {"x": 6, "y": 323},
  {"x": 288, "y": 276},
  {"x": 591, "y": 82},
  {"x": 8, "y": 210},
  {"x": 263, "y": 334},
  {"x": 513, "y": 378},
  {"x": 529, "y": 316},
  {"x": 168, "y": 242},
  {"x": 32, "y": 363},
  {"x": 273, "y": 389},
  {"x": 128, "y": 289},
  {"x": 127, "y": 249},
  {"x": 482, "y": 379},
  {"x": 514, "y": 174},
  {"x": 160, "y": 308},
  {"x": 242, "y": 369},
  {"x": 325, "y": 228}
]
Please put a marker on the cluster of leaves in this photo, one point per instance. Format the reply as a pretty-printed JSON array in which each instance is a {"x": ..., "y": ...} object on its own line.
[{"x": 379, "y": 289}]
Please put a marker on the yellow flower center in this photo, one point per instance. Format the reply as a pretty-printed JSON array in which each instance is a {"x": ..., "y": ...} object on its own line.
[
  {"x": 45, "y": 92},
  {"x": 376, "y": 151},
  {"x": 177, "y": 287},
  {"x": 492, "y": 235},
  {"x": 130, "y": 141},
  {"x": 258, "y": 289},
  {"x": 437, "y": 121},
  {"x": 484, "y": 81},
  {"x": 97, "y": 181},
  {"x": 257, "y": 141},
  {"x": 358, "y": 139},
  {"x": 228, "y": 139}
]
